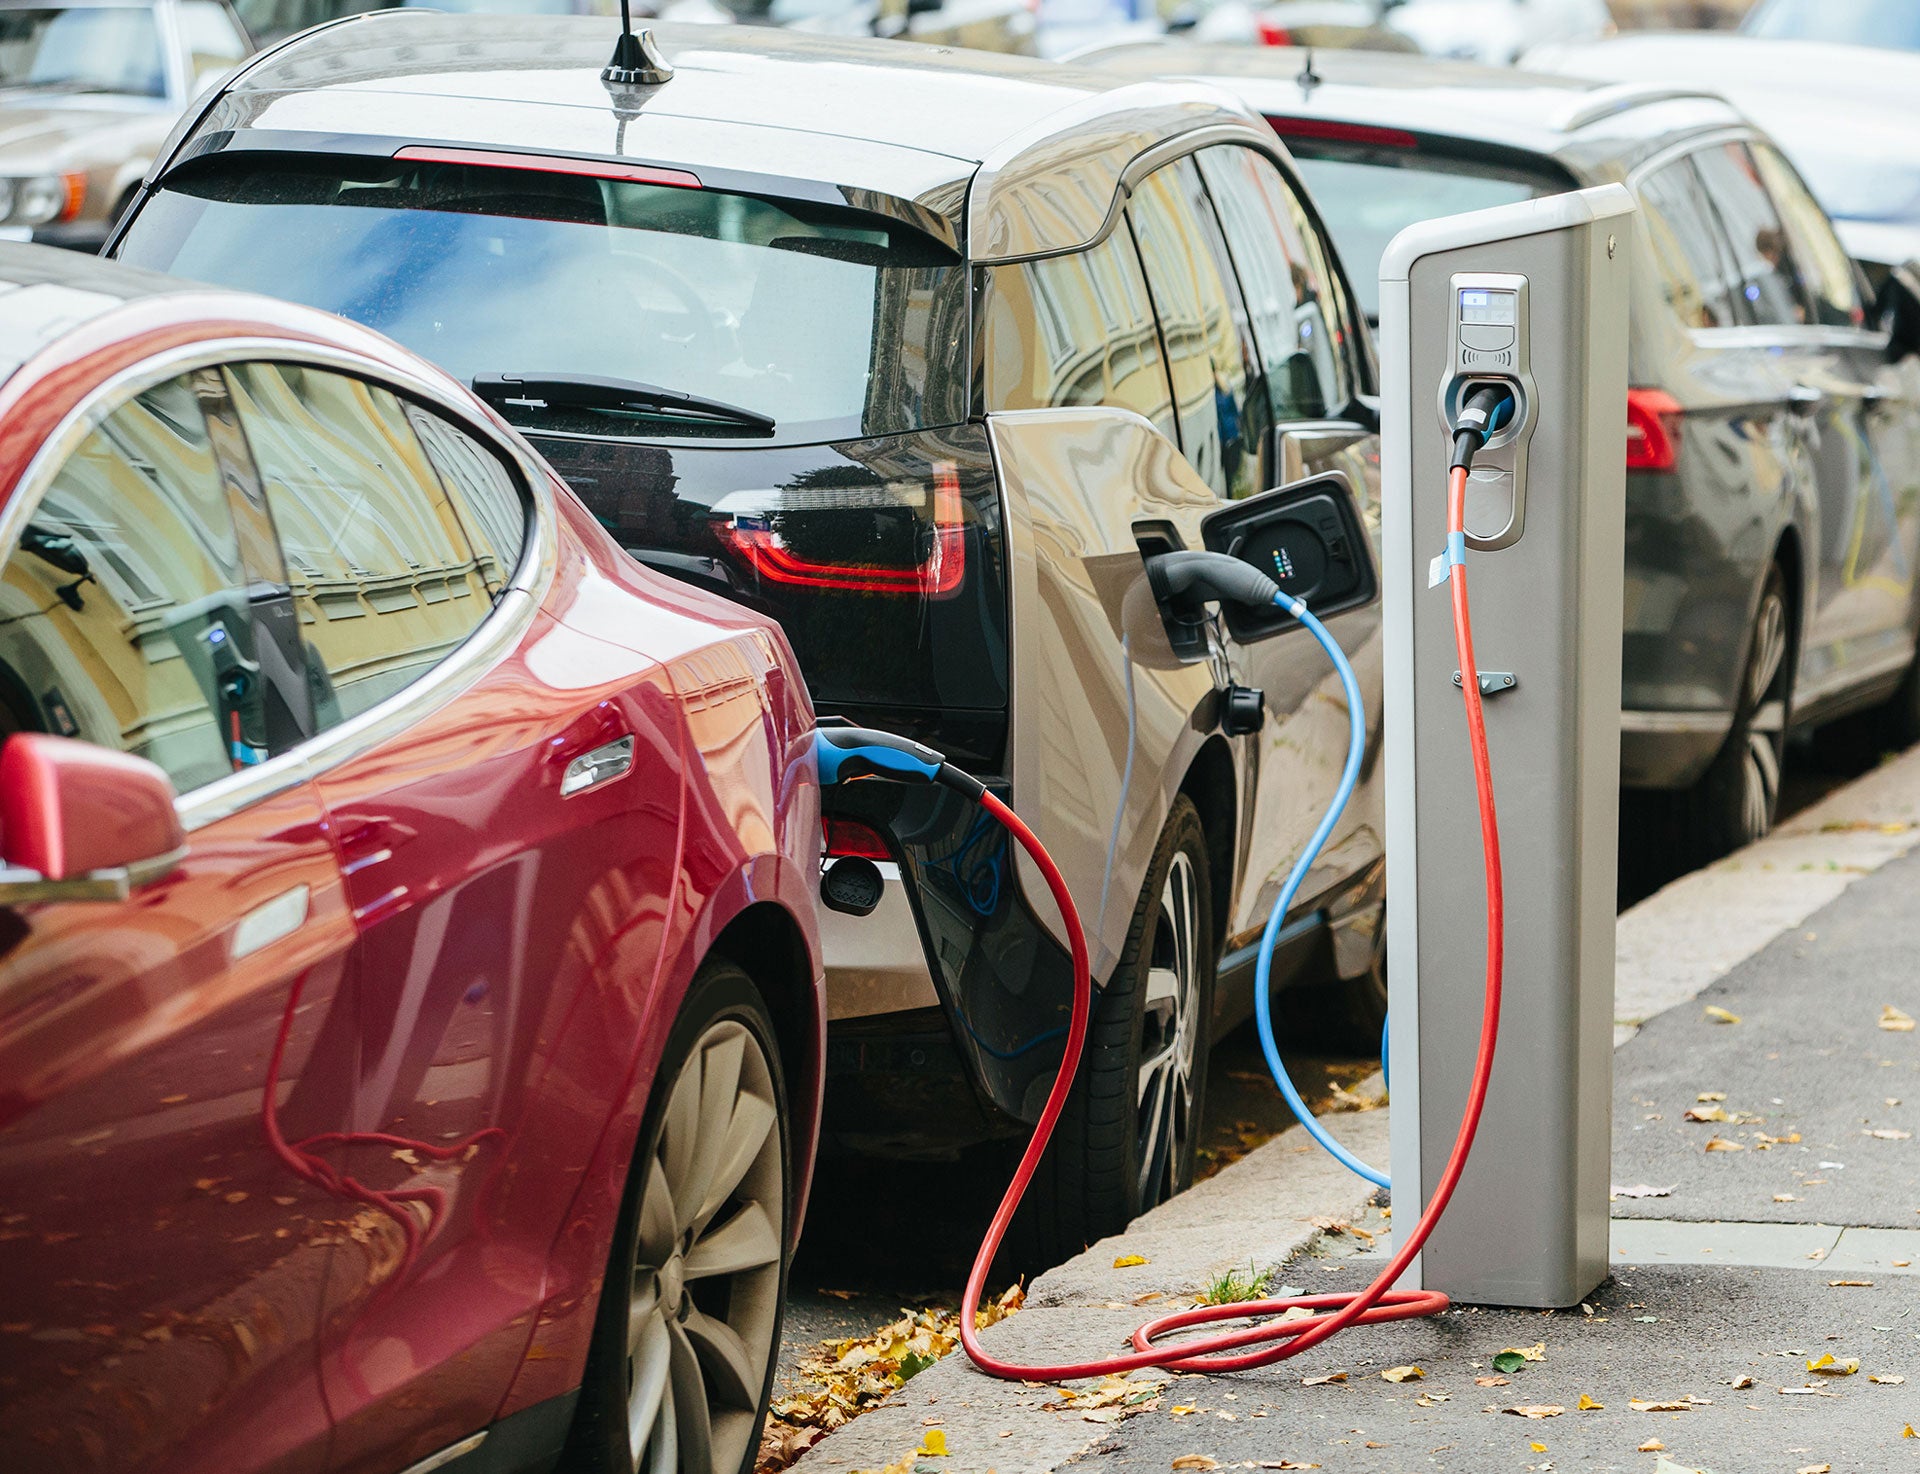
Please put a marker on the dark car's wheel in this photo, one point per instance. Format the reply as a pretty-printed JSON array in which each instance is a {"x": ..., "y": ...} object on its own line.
[
  {"x": 1128, "y": 1136},
  {"x": 1735, "y": 801},
  {"x": 683, "y": 1351}
]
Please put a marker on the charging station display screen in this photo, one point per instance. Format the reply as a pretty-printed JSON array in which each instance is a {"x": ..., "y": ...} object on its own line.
[{"x": 1480, "y": 306}]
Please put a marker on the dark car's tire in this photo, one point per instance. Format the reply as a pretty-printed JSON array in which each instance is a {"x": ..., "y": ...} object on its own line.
[
  {"x": 689, "y": 1325},
  {"x": 1735, "y": 800},
  {"x": 1128, "y": 1137}
]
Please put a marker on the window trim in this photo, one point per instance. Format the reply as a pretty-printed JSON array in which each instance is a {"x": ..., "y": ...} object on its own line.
[
  {"x": 1749, "y": 334},
  {"x": 490, "y": 642}
]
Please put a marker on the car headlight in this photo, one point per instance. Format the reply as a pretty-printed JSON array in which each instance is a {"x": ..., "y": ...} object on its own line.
[{"x": 43, "y": 198}]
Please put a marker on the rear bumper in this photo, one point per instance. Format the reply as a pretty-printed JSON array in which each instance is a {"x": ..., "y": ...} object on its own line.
[{"x": 1669, "y": 749}]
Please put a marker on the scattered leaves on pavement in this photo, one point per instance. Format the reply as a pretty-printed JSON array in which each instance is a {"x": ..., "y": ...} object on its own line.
[
  {"x": 842, "y": 1379},
  {"x": 1116, "y": 1397},
  {"x": 1512, "y": 1358},
  {"x": 1720, "y": 1015},
  {"x": 1128, "y": 1261},
  {"x": 1894, "y": 1021},
  {"x": 1536, "y": 1410},
  {"x": 1402, "y": 1374}
]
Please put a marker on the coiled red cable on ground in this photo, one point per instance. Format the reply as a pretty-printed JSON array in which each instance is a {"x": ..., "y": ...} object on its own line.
[{"x": 1226, "y": 1351}]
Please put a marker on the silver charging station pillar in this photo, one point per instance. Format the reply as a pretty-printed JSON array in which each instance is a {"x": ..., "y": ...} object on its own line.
[{"x": 1534, "y": 295}]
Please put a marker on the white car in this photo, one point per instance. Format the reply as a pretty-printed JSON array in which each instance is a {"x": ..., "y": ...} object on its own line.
[
  {"x": 1495, "y": 31},
  {"x": 1844, "y": 114}
]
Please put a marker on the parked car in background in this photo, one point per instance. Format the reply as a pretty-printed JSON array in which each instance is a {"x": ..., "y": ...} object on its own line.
[
  {"x": 1494, "y": 31},
  {"x": 89, "y": 90},
  {"x": 1360, "y": 23},
  {"x": 926, "y": 389},
  {"x": 1889, "y": 23},
  {"x": 410, "y": 1015},
  {"x": 1773, "y": 426},
  {"x": 1844, "y": 115},
  {"x": 984, "y": 25}
]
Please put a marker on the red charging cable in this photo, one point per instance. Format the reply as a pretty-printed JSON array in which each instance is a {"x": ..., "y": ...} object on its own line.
[{"x": 1222, "y": 1351}]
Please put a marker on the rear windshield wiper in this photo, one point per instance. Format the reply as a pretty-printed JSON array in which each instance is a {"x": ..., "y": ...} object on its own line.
[{"x": 590, "y": 391}]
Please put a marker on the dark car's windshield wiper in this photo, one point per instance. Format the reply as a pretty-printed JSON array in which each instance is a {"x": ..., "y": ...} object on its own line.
[{"x": 590, "y": 391}]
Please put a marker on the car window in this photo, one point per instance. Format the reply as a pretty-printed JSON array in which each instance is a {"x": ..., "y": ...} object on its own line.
[
  {"x": 1076, "y": 330},
  {"x": 382, "y": 575},
  {"x": 1691, "y": 267},
  {"x": 124, "y": 617},
  {"x": 213, "y": 42},
  {"x": 1761, "y": 251},
  {"x": 1299, "y": 314},
  {"x": 493, "y": 515},
  {"x": 112, "y": 49},
  {"x": 1884, "y": 23},
  {"x": 1191, "y": 297},
  {"x": 1826, "y": 271}
]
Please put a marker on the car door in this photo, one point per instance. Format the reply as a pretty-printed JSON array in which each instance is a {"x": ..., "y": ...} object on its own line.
[
  {"x": 1230, "y": 373},
  {"x": 164, "y": 1058},
  {"x": 1853, "y": 628},
  {"x": 1879, "y": 552},
  {"x": 479, "y": 833}
]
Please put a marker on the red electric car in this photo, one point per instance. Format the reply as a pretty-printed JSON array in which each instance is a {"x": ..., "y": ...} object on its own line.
[{"x": 410, "y": 1012}]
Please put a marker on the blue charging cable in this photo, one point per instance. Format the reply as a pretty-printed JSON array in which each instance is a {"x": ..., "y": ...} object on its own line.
[{"x": 1263, "y": 970}]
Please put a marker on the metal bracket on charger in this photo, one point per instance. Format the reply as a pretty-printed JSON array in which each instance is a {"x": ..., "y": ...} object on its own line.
[{"x": 1493, "y": 682}]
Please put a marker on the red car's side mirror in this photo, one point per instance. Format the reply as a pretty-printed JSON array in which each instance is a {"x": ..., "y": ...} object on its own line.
[{"x": 81, "y": 822}]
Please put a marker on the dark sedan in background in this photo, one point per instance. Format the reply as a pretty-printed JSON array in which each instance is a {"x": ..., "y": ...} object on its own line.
[{"x": 1773, "y": 427}]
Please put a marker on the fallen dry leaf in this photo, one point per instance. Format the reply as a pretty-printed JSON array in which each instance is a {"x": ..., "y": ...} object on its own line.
[
  {"x": 1720, "y": 1015},
  {"x": 1641, "y": 1190},
  {"x": 1814, "y": 1469},
  {"x": 1889, "y": 1133},
  {"x": 1322, "y": 1381},
  {"x": 1128, "y": 1261},
  {"x": 1908, "y": 1432},
  {"x": 1535, "y": 1352},
  {"x": 1894, "y": 1021},
  {"x": 1490, "y": 1382},
  {"x": 1887, "y": 1379},
  {"x": 1651, "y": 1446},
  {"x": 1644, "y": 1405},
  {"x": 1707, "y": 1095},
  {"x": 1430, "y": 1399},
  {"x": 1785, "y": 1198},
  {"x": 933, "y": 1443},
  {"x": 1536, "y": 1410},
  {"x": 1741, "y": 1383},
  {"x": 1195, "y": 1461},
  {"x": 1402, "y": 1374},
  {"x": 1721, "y": 1144},
  {"x": 1827, "y": 1365},
  {"x": 1181, "y": 1410},
  {"x": 1587, "y": 1405},
  {"x": 1850, "y": 1284},
  {"x": 1538, "y": 1448},
  {"x": 1707, "y": 1113},
  {"x": 1807, "y": 1392}
]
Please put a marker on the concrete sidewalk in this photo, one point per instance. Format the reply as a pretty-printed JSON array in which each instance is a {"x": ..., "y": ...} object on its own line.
[{"x": 1725, "y": 1283}]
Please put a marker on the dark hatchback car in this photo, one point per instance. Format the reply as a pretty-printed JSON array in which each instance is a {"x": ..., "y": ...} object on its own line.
[
  {"x": 921, "y": 352},
  {"x": 1773, "y": 423}
]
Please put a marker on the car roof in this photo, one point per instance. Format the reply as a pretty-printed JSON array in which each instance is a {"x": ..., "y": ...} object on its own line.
[
  {"x": 874, "y": 119},
  {"x": 1596, "y": 129},
  {"x": 46, "y": 293}
]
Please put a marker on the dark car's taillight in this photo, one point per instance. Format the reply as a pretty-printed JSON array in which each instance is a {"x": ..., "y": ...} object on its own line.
[
  {"x": 904, "y": 538},
  {"x": 1653, "y": 430}
]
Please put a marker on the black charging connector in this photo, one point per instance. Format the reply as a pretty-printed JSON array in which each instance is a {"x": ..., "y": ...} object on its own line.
[{"x": 1487, "y": 409}]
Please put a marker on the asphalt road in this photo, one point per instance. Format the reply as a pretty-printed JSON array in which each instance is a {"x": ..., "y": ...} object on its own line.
[{"x": 1808, "y": 1058}]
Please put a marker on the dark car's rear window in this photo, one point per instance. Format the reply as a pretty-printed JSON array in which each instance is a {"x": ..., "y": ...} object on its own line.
[
  {"x": 1367, "y": 195},
  {"x": 830, "y": 321}
]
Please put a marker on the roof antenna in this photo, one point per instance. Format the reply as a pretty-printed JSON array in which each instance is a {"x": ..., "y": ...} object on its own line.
[
  {"x": 1308, "y": 78},
  {"x": 637, "y": 61}
]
